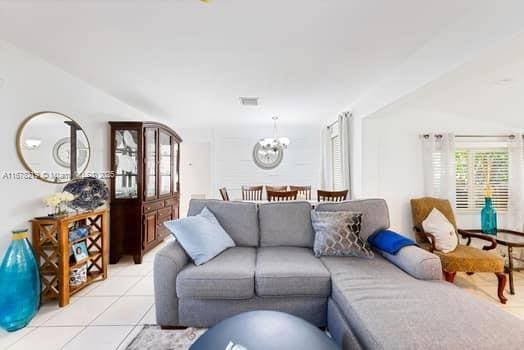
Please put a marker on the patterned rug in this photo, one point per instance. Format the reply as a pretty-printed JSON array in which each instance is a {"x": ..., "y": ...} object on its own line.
[{"x": 154, "y": 338}]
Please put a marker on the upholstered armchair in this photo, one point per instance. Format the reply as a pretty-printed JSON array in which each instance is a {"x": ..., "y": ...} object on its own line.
[{"x": 465, "y": 258}]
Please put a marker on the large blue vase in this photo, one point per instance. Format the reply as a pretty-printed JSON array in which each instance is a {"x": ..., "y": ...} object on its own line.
[
  {"x": 489, "y": 218},
  {"x": 19, "y": 284}
]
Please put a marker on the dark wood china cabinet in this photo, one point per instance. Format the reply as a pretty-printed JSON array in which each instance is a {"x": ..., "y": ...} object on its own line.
[{"x": 145, "y": 188}]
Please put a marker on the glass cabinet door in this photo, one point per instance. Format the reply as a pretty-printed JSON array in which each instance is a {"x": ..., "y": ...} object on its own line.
[
  {"x": 175, "y": 166},
  {"x": 165, "y": 166},
  {"x": 126, "y": 164},
  {"x": 150, "y": 175}
]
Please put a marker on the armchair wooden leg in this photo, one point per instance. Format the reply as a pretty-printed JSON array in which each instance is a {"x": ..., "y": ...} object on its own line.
[
  {"x": 449, "y": 276},
  {"x": 502, "y": 283},
  {"x": 470, "y": 273}
]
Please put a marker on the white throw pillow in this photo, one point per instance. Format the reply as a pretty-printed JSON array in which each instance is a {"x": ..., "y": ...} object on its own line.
[{"x": 446, "y": 239}]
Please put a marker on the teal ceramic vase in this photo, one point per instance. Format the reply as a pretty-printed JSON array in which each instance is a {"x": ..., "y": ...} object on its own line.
[
  {"x": 20, "y": 284},
  {"x": 489, "y": 217}
]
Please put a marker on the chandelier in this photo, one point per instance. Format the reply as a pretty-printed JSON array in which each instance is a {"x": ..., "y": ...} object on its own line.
[
  {"x": 269, "y": 152},
  {"x": 274, "y": 143}
]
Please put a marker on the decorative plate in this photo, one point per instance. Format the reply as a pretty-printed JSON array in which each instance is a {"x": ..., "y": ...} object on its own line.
[
  {"x": 90, "y": 193},
  {"x": 267, "y": 157},
  {"x": 62, "y": 153}
]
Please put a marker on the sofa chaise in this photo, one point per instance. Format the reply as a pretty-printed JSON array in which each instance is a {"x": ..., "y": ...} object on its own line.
[{"x": 388, "y": 302}]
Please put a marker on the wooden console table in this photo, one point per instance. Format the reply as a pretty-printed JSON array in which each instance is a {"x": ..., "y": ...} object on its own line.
[{"x": 53, "y": 251}]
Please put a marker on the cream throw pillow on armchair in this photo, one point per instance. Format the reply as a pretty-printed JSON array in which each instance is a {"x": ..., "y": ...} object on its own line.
[{"x": 446, "y": 239}]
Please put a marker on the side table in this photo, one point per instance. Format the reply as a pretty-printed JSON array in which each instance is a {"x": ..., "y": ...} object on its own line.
[
  {"x": 510, "y": 239},
  {"x": 53, "y": 251}
]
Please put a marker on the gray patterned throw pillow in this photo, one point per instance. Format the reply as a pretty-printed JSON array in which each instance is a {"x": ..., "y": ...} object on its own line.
[{"x": 338, "y": 234}]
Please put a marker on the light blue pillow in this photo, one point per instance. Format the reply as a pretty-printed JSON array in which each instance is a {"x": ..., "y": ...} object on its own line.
[{"x": 201, "y": 236}]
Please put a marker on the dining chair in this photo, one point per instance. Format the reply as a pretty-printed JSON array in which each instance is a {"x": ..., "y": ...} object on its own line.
[
  {"x": 252, "y": 193},
  {"x": 332, "y": 196},
  {"x": 276, "y": 188},
  {"x": 279, "y": 196},
  {"x": 224, "y": 194},
  {"x": 304, "y": 192},
  {"x": 270, "y": 188}
]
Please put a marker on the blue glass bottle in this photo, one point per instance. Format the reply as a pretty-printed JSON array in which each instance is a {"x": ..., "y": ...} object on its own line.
[
  {"x": 489, "y": 217},
  {"x": 20, "y": 284}
]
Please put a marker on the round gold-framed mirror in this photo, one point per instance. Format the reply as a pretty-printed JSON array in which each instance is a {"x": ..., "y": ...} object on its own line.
[{"x": 53, "y": 147}]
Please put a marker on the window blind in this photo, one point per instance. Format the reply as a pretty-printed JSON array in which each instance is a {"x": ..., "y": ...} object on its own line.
[
  {"x": 338, "y": 182},
  {"x": 436, "y": 159},
  {"x": 472, "y": 164}
]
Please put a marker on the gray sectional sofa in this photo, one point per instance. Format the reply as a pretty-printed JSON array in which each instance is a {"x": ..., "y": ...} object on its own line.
[{"x": 388, "y": 302}]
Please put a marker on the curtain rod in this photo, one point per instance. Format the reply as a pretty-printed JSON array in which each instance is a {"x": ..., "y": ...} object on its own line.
[
  {"x": 346, "y": 114},
  {"x": 490, "y": 136},
  {"x": 332, "y": 124},
  {"x": 473, "y": 136}
]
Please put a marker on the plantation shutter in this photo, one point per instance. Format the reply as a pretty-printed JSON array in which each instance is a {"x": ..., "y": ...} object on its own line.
[
  {"x": 472, "y": 162},
  {"x": 338, "y": 181}
]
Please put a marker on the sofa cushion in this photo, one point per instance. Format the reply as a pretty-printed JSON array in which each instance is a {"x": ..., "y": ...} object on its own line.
[
  {"x": 465, "y": 258},
  {"x": 239, "y": 219},
  {"x": 230, "y": 275},
  {"x": 286, "y": 224},
  {"x": 388, "y": 309},
  {"x": 290, "y": 271},
  {"x": 375, "y": 214}
]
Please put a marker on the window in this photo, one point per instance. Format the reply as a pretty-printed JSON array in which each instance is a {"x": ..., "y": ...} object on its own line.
[
  {"x": 338, "y": 182},
  {"x": 472, "y": 161}
]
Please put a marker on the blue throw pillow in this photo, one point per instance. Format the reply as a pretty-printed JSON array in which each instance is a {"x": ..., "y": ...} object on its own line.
[
  {"x": 389, "y": 241},
  {"x": 201, "y": 236}
]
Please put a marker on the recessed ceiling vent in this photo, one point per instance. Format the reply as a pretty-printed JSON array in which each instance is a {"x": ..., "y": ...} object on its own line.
[{"x": 249, "y": 101}]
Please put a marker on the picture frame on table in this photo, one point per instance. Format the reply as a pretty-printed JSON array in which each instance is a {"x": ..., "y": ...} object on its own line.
[{"x": 80, "y": 251}]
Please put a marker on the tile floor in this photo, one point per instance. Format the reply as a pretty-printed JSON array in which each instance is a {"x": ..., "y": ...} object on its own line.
[
  {"x": 104, "y": 316},
  {"x": 108, "y": 315}
]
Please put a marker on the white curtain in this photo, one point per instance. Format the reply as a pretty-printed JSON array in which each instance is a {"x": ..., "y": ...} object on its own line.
[
  {"x": 344, "y": 127},
  {"x": 516, "y": 184},
  {"x": 438, "y": 152},
  {"x": 326, "y": 176}
]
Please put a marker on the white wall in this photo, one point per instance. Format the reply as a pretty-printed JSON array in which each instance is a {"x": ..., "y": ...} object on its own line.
[
  {"x": 195, "y": 172},
  {"x": 230, "y": 152},
  {"x": 29, "y": 85},
  {"x": 392, "y": 157}
]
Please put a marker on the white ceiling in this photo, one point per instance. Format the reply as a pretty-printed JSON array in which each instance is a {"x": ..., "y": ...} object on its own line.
[
  {"x": 189, "y": 61},
  {"x": 489, "y": 88}
]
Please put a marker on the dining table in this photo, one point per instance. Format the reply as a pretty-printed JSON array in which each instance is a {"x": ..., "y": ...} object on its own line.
[{"x": 313, "y": 203}]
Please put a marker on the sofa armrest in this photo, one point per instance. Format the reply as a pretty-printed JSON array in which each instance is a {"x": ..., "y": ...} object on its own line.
[
  {"x": 417, "y": 262},
  {"x": 169, "y": 261}
]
